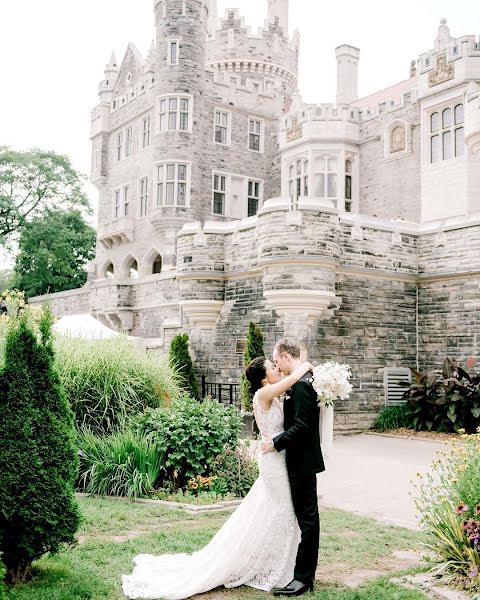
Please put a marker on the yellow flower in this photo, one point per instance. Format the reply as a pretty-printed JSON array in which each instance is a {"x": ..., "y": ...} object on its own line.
[
  {"x": 194, "y": 486},
  {"x": 462, "y": 467}
]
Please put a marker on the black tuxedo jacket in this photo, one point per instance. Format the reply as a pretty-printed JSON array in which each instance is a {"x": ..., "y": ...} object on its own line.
[{"x": 301, "y": 438}]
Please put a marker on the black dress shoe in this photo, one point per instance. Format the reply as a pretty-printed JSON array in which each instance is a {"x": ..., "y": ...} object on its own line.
[{"x": 294, "y": 588}]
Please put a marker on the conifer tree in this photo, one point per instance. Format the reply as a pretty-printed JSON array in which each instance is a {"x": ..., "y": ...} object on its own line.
[
  {"x": 181, "y": 361},
  {"x": 38, "y": 456},
  {"x": 253, "y": 349}
]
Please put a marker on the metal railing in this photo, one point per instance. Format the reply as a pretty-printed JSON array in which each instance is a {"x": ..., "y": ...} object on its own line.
[{"x": 225, "y": 393}]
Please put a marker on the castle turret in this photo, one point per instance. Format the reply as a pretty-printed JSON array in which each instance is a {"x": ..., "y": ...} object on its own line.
[
  {"x": 181, "y": 31},
  {"x": 278, "y": 13},
  {"x": 347, "y": 74},
  {"x": 107, "y": 85}
]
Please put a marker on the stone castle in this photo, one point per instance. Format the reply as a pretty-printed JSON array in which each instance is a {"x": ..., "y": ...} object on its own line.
[{"x": 353, "y": 227}]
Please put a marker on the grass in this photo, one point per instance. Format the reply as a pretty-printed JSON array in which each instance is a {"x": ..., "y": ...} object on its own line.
[{"x": 114, "y": 531}]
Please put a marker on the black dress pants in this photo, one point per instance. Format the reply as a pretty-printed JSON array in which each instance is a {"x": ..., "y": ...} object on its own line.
[{"x": 305, "y": 504}]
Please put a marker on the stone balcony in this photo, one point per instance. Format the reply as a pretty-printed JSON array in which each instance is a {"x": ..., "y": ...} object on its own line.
[{"x": 116, "y": 232}]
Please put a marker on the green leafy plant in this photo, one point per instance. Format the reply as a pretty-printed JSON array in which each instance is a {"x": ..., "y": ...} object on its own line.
[
  {"x": 189, "y": 434},
  {"x": 446, "y": 400},
  {"x": 38, "y": 455},
  {"x": 106, "y": 381},
  {"x": 123, "y": 463},
  {"x": 3, "y": 573},
  {"x": 447, "y": 498},
  {"x": 236, "y": 472},
  {"x": 253, "y": 349},
  {"x": 391, "y": 417},
  {"x": 181, "y": 361}
]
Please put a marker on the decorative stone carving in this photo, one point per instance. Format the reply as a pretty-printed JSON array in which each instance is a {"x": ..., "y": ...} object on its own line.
[
  {"x": 296, "y": 130},
  {"x": 203, "y": 314},
  {"x": 310, "y": 304},
  {"x": 397, "y": 139},
  {"x": 442, "y": 73}
]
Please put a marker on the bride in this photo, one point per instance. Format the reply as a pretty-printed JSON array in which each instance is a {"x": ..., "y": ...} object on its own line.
[{"x": 257, "y": 545}]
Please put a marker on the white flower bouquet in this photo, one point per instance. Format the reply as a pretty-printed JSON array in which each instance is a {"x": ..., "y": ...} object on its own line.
[{"x": 331, "y": 381}]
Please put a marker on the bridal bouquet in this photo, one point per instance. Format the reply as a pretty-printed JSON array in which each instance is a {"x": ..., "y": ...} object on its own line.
[{"x": 330, "y": 381}]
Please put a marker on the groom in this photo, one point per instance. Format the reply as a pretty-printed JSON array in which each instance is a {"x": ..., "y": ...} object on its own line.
[{"x": 301, "y": 440}]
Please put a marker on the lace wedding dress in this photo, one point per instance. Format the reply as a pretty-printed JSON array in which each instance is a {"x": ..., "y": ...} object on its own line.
[{"x": 257, "y": 545}]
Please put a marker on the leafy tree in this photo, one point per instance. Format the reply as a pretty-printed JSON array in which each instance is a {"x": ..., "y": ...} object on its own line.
[
  {"x": 32, "y": 182},
  {"x": 6, "y": 279},
  {"x": 53, "y": 252},
  {"x": 253, "y": 349},
  {"x": 38, "y": 457},
  {"x": 180, "y": 360}
]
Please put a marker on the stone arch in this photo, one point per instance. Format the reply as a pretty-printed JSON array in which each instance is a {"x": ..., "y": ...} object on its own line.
[
  {"x": 152, "y": 263},
  {"x": 129, "y": 268},
  {"x": 108, "y": 270}
]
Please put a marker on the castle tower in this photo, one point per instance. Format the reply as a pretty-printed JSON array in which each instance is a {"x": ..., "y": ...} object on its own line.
[
  {"x": 347, "y": 73},
  {"x": 181, "y": 35},
  {"x": 278, "y": 13}
]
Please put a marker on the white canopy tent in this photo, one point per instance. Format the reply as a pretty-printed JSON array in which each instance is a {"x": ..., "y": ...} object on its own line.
[{"x": 84, "y": 326}]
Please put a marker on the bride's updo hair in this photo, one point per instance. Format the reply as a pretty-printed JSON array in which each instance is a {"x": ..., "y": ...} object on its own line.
[{"x": 255, "y": 373}]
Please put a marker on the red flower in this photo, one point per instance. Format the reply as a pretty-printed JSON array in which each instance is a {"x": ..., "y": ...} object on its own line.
[{"x": 470, "y": 362}]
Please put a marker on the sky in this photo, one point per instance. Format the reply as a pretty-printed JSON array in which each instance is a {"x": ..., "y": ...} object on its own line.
[{"x": 53, "y": 54}]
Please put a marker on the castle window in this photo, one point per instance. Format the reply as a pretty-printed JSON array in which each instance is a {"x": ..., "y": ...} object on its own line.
[
  {"x": 143, "y": 196},
  {"x": 172, "y": 181},
  {"x": 174, "y": 113},
  {"x": 348, "y": 186},
  {"x": 173, "y": 48},
  {"x": 459, "y": 142},
  {"x": 298, "y": 179},
  {"x": 255, "y": 135},
  {"x": 133, "y": 269},
  {"x": 447, "y": 140},
  {"x": 219, "y": 190},
  {"x": 146, "y": 132},
  {"x": 253, "y": 197},
  {"x": 128, "y": 141},
  {"x": 326, "y": 178},
  {"x": 116, "y": 204},
  {"x": 459, "y": 114},
  {"x": 109, "y": 271},
  {"x": 157, "y": 265},
  {"x": 119, "y": 145},
  {"x": 126, "y": 200},
  {"x": 222, "y": 129}
]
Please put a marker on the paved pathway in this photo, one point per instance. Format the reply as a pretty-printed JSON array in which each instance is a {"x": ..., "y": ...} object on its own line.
[{"x": 371, "y": 475}]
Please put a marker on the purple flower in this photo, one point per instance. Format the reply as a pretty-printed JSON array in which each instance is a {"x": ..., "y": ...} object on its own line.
[{"x": 461, "y": 508}]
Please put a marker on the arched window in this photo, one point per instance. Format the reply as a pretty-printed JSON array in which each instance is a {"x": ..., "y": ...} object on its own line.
[
  {"x": 326, "y": 178},
  {"x": 133, "y": 269},
  {"x": 157, "y": 265},
  {"x": 109, "y": 271},
  {"x": 447, "y": 135}
]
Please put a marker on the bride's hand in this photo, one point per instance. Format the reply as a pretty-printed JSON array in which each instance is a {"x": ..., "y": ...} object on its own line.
[{"x": 306, "y": 367}]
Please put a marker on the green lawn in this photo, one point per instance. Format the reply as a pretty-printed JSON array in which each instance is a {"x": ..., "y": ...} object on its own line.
[{"x": 353, "y": 549}]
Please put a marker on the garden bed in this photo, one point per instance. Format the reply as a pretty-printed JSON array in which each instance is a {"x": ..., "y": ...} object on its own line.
[
  {"x": 435, "y": 436},
  {"x": 191, "y": 507}
]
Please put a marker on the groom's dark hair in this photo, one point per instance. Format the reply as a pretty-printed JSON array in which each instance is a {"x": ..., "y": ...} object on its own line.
[{"x": 287, "y": 345}]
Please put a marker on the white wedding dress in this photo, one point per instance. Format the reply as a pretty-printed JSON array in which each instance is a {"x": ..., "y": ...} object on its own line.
[{"x": 256, "y": 546}]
